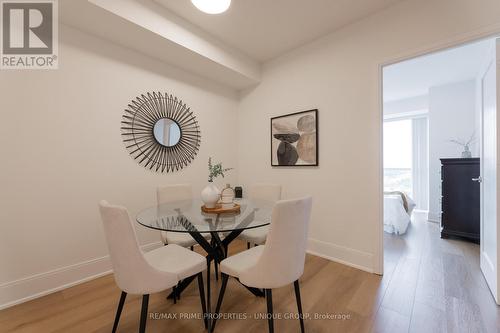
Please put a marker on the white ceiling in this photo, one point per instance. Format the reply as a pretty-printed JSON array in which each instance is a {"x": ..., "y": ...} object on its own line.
[
  {"x": 265, "y": 29},
  {"x": 414, "y": 77},
  {"x": 149, "y": 28}
]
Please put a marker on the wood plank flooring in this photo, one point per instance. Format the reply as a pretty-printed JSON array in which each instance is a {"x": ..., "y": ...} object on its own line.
[
  {"x": 429, "y": 285},
  {"x": 435, "y": 286}
]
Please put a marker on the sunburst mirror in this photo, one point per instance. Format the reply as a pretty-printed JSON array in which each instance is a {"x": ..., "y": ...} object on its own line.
[{"x": 160, "y": 132}]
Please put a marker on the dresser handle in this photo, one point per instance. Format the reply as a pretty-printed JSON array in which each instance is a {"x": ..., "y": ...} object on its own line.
[{"x": 478, "y": 179}]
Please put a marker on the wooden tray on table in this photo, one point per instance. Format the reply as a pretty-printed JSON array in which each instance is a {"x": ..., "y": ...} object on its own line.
[{"x": 221, "y": 209}]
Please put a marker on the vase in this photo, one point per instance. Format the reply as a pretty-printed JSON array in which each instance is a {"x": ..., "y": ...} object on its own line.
[
  {"x": 466, "y": 153},
  {"x": 210, "y": 195},
  {"x": 227, "y": 197}
]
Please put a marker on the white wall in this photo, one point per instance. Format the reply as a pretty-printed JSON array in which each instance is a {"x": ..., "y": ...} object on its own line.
[
  {"x": 339, "y": 75},
  {"x": 62, "y": 152},
  {"x": 452, "y": 115},
  {"x": 407, "y": 106}
]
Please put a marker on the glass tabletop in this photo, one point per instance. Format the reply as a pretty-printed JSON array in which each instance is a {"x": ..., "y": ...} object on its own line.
[{"x": 186, "y": 216}]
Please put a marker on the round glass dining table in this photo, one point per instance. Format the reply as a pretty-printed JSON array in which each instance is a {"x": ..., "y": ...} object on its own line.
[{"x": 187, "y": 217}]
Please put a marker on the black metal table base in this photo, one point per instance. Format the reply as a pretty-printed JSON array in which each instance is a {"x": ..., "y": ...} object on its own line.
[
  {"x": 216, "y": 251},
  {"x": 256, "y": 291}
]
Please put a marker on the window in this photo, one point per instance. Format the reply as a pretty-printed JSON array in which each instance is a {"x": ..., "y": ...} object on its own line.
[
  {"x": 398, "y": 152},
  {"x": 406, "y": 160}
]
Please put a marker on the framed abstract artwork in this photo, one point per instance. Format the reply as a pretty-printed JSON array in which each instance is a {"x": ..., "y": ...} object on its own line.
[{"x": 294, "y": 139}]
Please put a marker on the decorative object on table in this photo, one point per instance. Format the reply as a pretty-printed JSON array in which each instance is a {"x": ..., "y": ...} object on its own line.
[
  {"x": 294, "y": 139},
  {"x": 238, "y": 192},
  {"x": 227, "y": 196},
  {"x": 160, "y": 132},
  {"x": 211, "y": 194},
  {"x": 221, "y": 209},
  {"x": 466, "y": 153}
]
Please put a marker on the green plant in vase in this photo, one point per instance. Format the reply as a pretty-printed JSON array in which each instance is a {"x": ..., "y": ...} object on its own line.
[
  {"x": 211, "y": 194},
  {"x": 215, "y": 170}
]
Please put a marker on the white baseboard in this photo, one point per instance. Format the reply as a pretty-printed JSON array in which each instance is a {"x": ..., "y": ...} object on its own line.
[
  {"x": 489, "y": 273},
  {"x": 343, "y": 255},
  {"x": 38, "y": 285},
  {"x": 35, "y": 286}
]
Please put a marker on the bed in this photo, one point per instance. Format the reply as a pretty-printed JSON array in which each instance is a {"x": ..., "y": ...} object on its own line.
[{"x": 398, "y": 208}]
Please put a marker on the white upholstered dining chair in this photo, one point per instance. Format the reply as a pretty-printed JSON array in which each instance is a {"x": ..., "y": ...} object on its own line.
[
  {"x": 141, "y": 273},
  {"x": 172, "y": 193},
  {"x": 261, "y": 191},
  {"x": 277, "y": 263}
]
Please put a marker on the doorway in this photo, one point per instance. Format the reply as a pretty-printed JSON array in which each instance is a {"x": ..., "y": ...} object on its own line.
[{"x": 440, "y": 107}]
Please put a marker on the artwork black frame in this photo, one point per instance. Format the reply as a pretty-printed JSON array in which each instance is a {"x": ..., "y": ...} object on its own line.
[
  {"x": 137, "y": 128},
  {"x": 316, "y": 138}
]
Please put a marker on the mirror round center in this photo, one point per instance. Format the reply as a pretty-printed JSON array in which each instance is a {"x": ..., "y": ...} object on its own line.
[{"x": 167, "y": 132}]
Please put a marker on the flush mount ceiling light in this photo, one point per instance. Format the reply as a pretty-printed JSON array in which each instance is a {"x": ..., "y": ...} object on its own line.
[{"x": 212, "y": 6}]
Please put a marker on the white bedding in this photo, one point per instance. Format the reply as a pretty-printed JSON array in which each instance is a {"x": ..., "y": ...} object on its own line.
[{"x": 396, "y": 219}]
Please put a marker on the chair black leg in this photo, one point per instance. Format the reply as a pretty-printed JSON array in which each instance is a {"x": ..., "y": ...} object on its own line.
[
  {"x": 225, "y": 278},
  {"x": 209, "y": 307},
  {"x": 248, "y": 245},
  {"x": 269, "y": 299},
  {"x": 178, "y": 291},
  {"x": 174, "y": 292},
  {"x": 119, "y": 310},
  {"x": 299, "y": 305},
  {"x": 202, "y": 299},
  {"x": 192, "y": 248},
  {"x": 144, "y": 313}
]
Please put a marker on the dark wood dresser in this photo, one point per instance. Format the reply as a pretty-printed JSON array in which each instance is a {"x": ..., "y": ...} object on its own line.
[{"x": 461, "y": 203}]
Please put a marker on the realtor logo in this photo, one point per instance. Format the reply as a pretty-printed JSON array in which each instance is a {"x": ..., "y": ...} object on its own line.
[{"x": 29, "y": 34}]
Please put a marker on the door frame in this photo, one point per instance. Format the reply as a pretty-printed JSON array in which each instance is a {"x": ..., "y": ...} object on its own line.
[
  {"x": 491, "y": 62},
  {"x": 449, "y": 43}
]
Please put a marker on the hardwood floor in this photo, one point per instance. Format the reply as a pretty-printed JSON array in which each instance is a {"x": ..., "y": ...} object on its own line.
[
  {"x": 429, "y": 285},
  {"x": 435, "y": 285}
]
